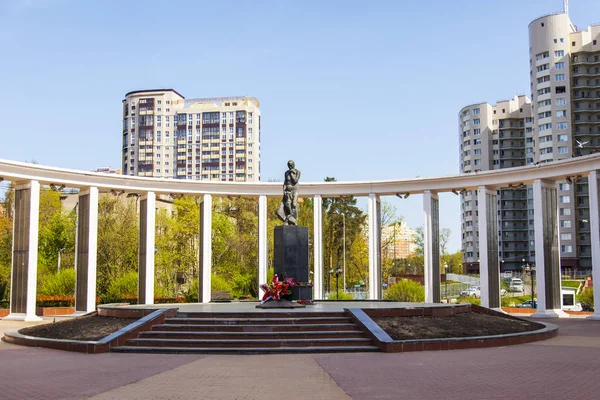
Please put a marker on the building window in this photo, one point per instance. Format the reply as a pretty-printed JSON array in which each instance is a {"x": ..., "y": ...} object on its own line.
[
  {"x": 563, "y": 150},
  {"x": 476, "y": 121},
  {"x": 560, "y": 77},
  {"x": 565, "y": 224},
  {"x": 559, "y": 53},
  {"x": 476, "y": 111},
  {"x": 477, "y": 141},
  {"x": 573, "y": 44},
  {"x": 561, "y": 125},
  {"x": 559, "y": 65},
  {"x": 565, "y": 199},
  {"x": 561, "y": 102},
  {"x": 566, "y": 248},
  {"x": 561, "y": 113},
  {"x": 542, "y": 55}
]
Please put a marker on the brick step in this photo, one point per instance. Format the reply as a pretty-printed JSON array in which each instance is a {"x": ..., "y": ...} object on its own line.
[
  {"x": 257, "y": 321},
  {"x": 253, "y": 328},
  {"x": 219, "y": 343},
  {"x": 251, "y": 335},
  {"x": 243, "y": 350},
  {"x": 261, "y": 314}
]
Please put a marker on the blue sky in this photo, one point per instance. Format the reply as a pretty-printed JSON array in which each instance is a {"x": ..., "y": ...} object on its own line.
[{"x": 351, "y": 89}]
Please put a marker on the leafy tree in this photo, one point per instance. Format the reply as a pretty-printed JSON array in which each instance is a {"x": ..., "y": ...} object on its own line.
[
  {"x": 335, "y": 210},
  {"x": 56, "y": 234},
  {"x": 117, "y": 239},
  {"x": 454, "y": 262},
  {"x": 420, "y": 241}
]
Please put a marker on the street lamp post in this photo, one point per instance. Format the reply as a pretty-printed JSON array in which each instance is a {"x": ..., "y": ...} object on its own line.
[
  {"x": 59, "y": 254},
  {"x": 338, "y": 271}
]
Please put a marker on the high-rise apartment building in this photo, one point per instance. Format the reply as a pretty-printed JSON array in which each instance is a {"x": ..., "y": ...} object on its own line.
[
  {"x": 565, "y": 110},
  {"x": 494, "y": 137},
  {"x": 401, "y": 239},
  {"x": 168, "y": 136}
]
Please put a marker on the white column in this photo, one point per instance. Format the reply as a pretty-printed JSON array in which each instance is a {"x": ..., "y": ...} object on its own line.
[
  {"x": 86, "y": 251},
  {"x": 483, "y": 247},
  {"x": 488, "y": 248},
  {"x": 431, "y": 250},
  {"x": 547, "y": 250},
  {"x": 23, "y": 281},
  {"x": 206, "y": 249},
  {"x": 147, "y": 238},
  {"x": 595, "y": 237},
  {"x": 374, "y": 247},
  {"x": 262, "y": 243},
  {"x": 318, "y": 248},
  {"x": 93, "y": 245}
]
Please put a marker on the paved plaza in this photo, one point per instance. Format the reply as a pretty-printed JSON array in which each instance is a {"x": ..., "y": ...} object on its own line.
[{"x": 562, "y": 367}]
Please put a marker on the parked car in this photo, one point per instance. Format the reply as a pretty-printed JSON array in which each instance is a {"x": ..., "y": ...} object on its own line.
[
  {"x": 516, "y": 285},
  {"x": 474, "y": 291},
  {"x": 502, "y": 292},
  {"x": 527, "y": 304}
]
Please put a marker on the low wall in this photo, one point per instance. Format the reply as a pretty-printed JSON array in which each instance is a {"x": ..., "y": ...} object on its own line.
[
  {"x": 147, "y": 317},
  {"x": 386, "y": 344}
]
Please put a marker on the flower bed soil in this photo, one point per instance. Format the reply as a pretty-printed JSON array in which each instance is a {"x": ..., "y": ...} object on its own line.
[
  {"x": 91, "y": 327},
  {"x": 459, "y": 325}
]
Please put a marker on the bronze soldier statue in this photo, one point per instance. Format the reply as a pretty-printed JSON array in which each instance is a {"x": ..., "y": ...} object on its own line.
[{"x": 288, "y": 208}]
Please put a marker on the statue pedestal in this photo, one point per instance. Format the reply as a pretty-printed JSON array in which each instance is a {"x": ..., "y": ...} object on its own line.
[{"x": 291, "y": 257}]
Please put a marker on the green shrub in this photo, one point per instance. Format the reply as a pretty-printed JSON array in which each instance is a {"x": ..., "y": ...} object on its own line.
[
  {"x": 191, "y": 295},
  {"x": 125, "y": 285},
  {"x": 509, "y": 301},
  {"x": 219, "y": 283},
  {"x": 62, "y": 283},
  {"x": 470, "y": 299},
  {"x": 406, "y": 290},
  {"x": 586, "y": 297},
  {"x": 342, "y": 295}
]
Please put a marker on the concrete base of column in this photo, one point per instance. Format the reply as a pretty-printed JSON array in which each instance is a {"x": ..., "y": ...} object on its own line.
[
  {"x": 556, "y": 313},
  {"x": 594, "y": 317},
  {"x": 80, "y": 313},
  {"x": 21, "y": 317}
]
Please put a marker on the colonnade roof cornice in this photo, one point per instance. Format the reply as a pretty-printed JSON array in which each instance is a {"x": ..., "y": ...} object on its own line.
[{"x": 557, "y": 170}]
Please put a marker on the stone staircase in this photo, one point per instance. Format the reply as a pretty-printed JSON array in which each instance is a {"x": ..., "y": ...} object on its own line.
[{"x": 252, "y": 333}]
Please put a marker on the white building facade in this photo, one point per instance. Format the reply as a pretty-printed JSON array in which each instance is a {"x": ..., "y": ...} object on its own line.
[{"x": 211, "y": 139}]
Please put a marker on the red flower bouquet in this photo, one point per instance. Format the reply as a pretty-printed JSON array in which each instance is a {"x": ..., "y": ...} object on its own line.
[{"x": 277, "y": 289}]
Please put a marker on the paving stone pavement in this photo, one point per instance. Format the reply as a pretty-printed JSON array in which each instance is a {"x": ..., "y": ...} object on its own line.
[
  {"x": 563, "y": 367},
  {"x": 266, "y": 377}
]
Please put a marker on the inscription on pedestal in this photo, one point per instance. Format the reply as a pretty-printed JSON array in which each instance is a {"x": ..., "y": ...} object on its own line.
[{"x": 291, "y": 256}]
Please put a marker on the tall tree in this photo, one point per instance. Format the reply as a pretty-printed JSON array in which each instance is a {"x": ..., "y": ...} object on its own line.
[
  {"x": 117, "y": 239},
  {"x": 338, "y": 211}
]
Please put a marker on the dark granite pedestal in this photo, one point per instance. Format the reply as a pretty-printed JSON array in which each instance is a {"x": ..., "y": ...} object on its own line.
[{"x": 291, "y": 257}]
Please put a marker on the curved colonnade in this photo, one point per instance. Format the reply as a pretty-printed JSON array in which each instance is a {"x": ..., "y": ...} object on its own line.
[{"x": 28, "y": 178}]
